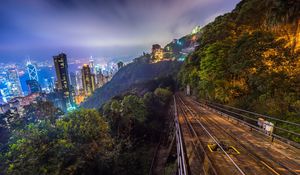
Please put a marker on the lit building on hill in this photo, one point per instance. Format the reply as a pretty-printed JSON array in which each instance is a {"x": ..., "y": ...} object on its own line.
[
  {"x": 157, "y": 53},
  {"x": 196, "y": 30}
]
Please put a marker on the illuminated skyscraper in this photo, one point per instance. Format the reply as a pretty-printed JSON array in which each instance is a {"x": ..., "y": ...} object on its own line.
[
  {"x": 62, "y": 78},
  {"x": 32, "y": 83},
  {"x": 88, "y": 80},
  {"x": 92, "y": 66},
  {"x": 32, "y": 71},
  {"x": 78, "y": 81},
  {"x": 73, "y": 79},
  {"x": 14, "y": 83}
]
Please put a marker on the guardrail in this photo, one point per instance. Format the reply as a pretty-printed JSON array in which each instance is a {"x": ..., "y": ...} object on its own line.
[
  {"x": 251, "y": 119},
  {"x": 181, "y": 161}
]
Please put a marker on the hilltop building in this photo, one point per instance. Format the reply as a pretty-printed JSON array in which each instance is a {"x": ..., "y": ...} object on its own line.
[{"x": 157, "y": 53}]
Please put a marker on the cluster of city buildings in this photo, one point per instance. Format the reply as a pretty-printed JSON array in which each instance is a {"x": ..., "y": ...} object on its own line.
[
  {"x": 66, "y": 91},
  {"x": 69, "y": 89}
]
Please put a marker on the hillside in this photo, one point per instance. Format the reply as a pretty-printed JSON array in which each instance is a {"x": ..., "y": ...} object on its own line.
[
  {"x": 126, "y": 77},
  {"x": 250, "y": 58}
]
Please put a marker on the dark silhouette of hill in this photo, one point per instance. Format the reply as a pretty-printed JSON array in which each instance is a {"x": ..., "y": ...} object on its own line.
[{"x": 124, "y": 80}]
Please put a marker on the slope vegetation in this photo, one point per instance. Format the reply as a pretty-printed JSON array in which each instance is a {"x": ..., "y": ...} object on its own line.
[
  {"x": 250, "y": 58},
  {"x": 126, "y": 77}
]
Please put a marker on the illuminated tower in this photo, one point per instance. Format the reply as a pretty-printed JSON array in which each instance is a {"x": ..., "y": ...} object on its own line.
[
  {"x": 88, "y": 80},
  {"x": 32, "y": 71},
  {"x": 92, "y": 66},
  {"x": 62, "y": 78},
  {"x": 73, "y": 79},
  {"x": 78, "y": 81},
  {"x": 32, "y": 83},
  {"x": 14, "y": 83}
]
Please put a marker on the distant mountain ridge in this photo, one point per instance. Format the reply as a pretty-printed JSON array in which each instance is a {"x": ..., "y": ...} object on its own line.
[{"x": 133, "y": 73}]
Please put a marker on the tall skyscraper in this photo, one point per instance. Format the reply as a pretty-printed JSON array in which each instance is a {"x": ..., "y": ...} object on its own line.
[
  {"x": 62, "y": 78},
  {"x": 14, "y": 83},
  {"x": 92, "y": 66},
  {"x": 88, "y": 80},
  {"x": 78, "y": 81},
  {"x": 32, "y": 84},
  {"x": 32, "y": 71},
  {"x": 73, "y": 79}
]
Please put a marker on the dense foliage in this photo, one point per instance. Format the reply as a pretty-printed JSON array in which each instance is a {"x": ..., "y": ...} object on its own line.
[
  {"x": 250, "y": 58},
  {"x": 130, "y": 75},
  {"x": 118, "y": 139},
  {"x": 74, "y": 144},
  {"x": 136, "y": 123},
  {"x": 13, "y": 119}
]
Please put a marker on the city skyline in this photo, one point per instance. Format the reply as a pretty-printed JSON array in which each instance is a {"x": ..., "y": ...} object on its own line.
[{"x": 100, "y": 28}]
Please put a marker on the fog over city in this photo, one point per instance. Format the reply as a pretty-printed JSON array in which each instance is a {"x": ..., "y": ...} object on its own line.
[{"x": 119, "y": 28}]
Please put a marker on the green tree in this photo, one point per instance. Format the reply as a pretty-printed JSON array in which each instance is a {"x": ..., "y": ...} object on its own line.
[
  {"x": 163, "y": 95},
  {"x": 76, "y": 144}
]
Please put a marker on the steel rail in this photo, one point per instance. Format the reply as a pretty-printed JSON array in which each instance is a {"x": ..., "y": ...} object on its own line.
[
  {"x": 191, "y": 128},
  {"x": 182, "y": 169},
  {"x": 258, "y": 129},
  {"x": 215, "y": 140},
  {"x": 255, "y": 156}
]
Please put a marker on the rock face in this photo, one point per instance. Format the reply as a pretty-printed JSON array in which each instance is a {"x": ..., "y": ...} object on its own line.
[{"x": 134, "y": 73}]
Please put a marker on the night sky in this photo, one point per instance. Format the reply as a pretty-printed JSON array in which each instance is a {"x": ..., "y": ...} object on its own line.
[{"x": 103, "y": 28}]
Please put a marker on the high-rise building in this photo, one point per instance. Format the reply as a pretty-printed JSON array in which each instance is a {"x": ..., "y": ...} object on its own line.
[
  {"x": 88, "y": 80},
  {"x": 62, "y": 78},
  {"x": 14, "y": 84},
  {"x": 78, "y": 82},
  {"x": 32, "y": 71},
  {"x": 101, "y": 80},
  {"x": 48, "y": 85},
  {"x": 92, "y": 66},
  {"x": 32, "y": 83},
  {"x": 33, "y": 86},
  {"x": 73, "y": 79}
]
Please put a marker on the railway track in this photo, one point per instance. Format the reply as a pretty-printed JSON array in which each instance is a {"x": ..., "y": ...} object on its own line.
[
  {"x": 245, "y": 163},
  {"x": 196, "y": 154},
  {"x": 276, "y": 166},
  {"x": 213, "y": 169}
]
